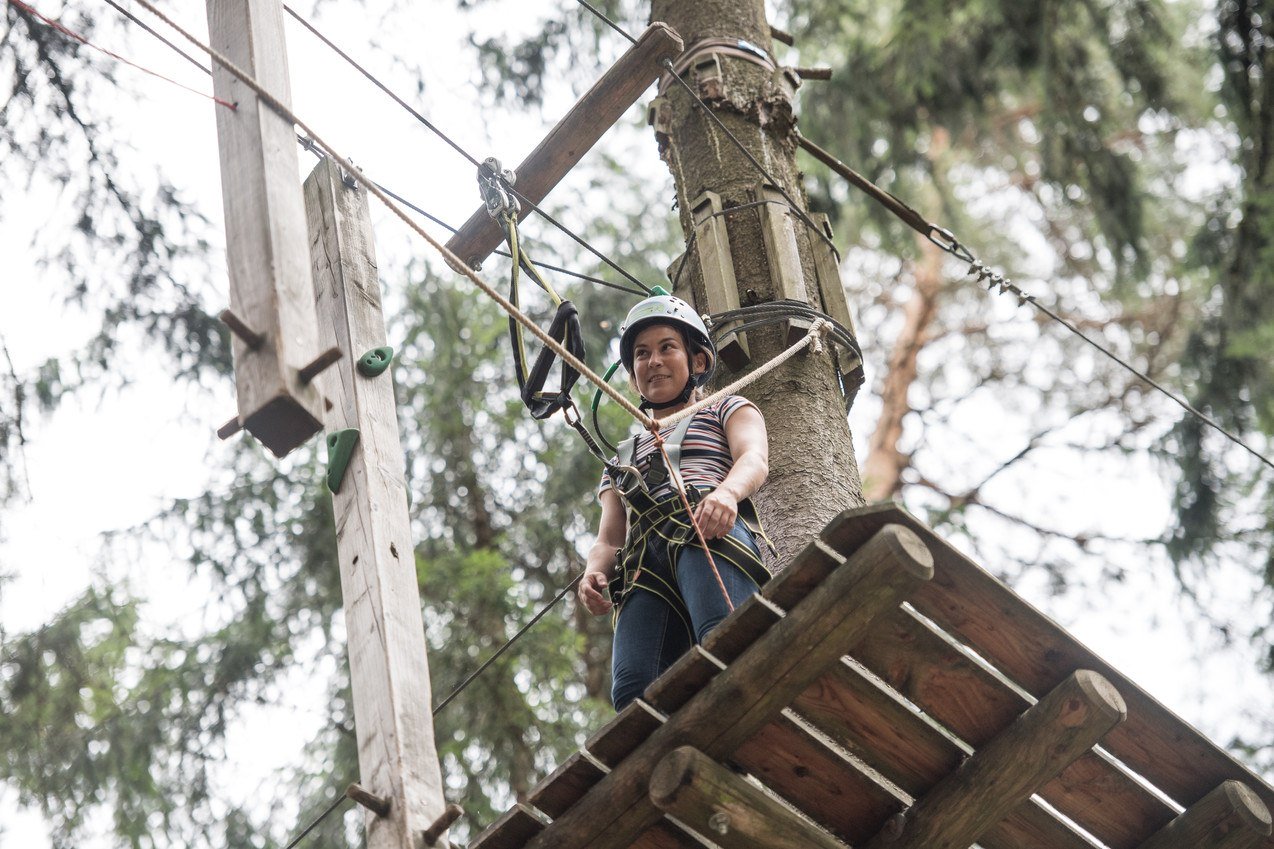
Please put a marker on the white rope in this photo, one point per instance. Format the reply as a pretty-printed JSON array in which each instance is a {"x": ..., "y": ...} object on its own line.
[
  {"x": 454, "y": 261},
  {"x": 814, "y": 337}
]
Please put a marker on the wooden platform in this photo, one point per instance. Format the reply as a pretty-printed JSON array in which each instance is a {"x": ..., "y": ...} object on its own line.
[{"x": 884, "y": 691}]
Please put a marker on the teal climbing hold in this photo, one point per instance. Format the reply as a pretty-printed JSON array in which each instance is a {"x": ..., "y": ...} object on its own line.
[
  {"x": 659, "y": 290},
  {"x": 375, "y": 361},
  {"x": 340, "y": 448}
]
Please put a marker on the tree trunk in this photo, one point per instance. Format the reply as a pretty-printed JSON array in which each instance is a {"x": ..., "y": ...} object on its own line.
[{"x": 813, "y": 473}]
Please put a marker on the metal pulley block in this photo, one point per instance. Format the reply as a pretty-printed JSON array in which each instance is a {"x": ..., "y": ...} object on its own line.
[{"x": 494, "y": 183}]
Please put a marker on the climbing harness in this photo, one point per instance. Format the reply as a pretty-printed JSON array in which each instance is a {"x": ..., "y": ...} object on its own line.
[
  {"x": 494, "y": 183},
  {"x": 661, "y": 525}
]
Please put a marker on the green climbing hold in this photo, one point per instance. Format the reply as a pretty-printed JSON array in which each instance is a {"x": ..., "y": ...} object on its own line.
[
  {"x": 375, "y": 361},
  {"x": 659, "y": 290},
  {"x": 340, "y": 448}
]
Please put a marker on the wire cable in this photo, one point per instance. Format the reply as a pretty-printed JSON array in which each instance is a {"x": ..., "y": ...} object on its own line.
[
  {"x": 340, "y": 800},
  {"x": 464, "y": 153},
  {"x": 698, "y": 101},
  {"x": 508, "y": 644},
  {"x": 75, "y": 36},
  {"x": 946, "y": 241}
]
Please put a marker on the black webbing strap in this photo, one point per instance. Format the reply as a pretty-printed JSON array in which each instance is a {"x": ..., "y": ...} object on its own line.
[{"x": 565, "y": 329}]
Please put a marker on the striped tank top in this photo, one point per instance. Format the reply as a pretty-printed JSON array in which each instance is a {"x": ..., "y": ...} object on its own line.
[{"x": 705, "y": 452}]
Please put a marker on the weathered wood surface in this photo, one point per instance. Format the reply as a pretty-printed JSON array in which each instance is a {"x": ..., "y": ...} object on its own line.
[
  {"x": 629, "y": 729},
  {"x": 744, "y": 697},
  {"x": 1036, "y": 654},
  {"x": 1230, "y": 817},
  {"x": 566, "y": 785},
  {"x": 266, "y": 244},
  {"x": 1004, "y": 774},
  {"x": 511, "y": 831},
  {"x": 565, "y": 145},
  {"x": 736, "y": 814},
  {"x": 681, "y": 681},
  {"x": 909, "y": 749},
  {"x": 716, "y": 270},
  {"x": 818, "y": 780},
  {"x": 970, "y": 701},
  {"x": 389, "y": 673}
]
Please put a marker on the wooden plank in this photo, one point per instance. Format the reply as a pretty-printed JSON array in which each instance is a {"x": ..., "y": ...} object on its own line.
[
  {"x": 511, "y": 831},
  {"x": 566, "y": 785},
  {"x": 1037, "y": 653},
  {"x": 741, "y": 628},
  {"x": 1230, "y": 817},
  {"x": 565, "y": 145},
  {"x": 267, "y": 254},
  {"x": 783, "y": 256},
  {"x": 966, "y": 698},
  {"x": 809, "y": 568},
  {"x": 1003, "y": 774},
  {"x": 670, "y": 835},
  {"x": 819, "y": 781},
  {"x": 873, "y": 723},
  {"x": 631, "y": 726},
  {"x": 389, "y": 672},
  {"x": 713, "y": 800},
  {"x": 681, "y": 681},
  {"x": 748, "y": 693},
  {"x": 716, "y": 272},
  {"x": 827, "y": 269}
]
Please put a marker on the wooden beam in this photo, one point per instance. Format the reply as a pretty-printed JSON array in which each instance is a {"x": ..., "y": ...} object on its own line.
[
  {"x": 1230, "y": 817},
  {"x": 735, "y": 814},
  {"x": 968, "y": 699},
  {"x": 565, "y": 145},
  {"x": 267, "y": 256},
  {"x": 716, "y": 271},
  {"x": 389, "y": 674},
  {"x": 752, "y": 690},
  {"x": 1036, "y": 653},
  {"x": 1004, "y": 774}
]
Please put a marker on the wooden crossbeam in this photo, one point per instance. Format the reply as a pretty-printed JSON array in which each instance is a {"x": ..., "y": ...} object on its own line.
[
  {"x": 737, "y": 815},
  {"x": 999, "y": 777},
  {"x": 1230, "y": 817},
  {"x": 271, "y": 313},
  {"x": 565, "y": 145},
  {"x": 751, "y": 691},
  {"x": 1036, "y": 654}
]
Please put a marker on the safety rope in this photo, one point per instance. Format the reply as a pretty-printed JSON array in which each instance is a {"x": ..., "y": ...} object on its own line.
[
  {"x": 454, "y": 261},
  {"x": 75, "y": 36},
  {"x": 680, "y": 488},
  {"x": 812, "y": 338}
]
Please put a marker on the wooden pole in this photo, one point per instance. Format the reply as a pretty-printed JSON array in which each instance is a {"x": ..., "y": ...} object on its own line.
[
  {"x": 716, "y": 802},
  {"x": 271, "y": 313},
  {"x": 1004, "y": 773},
  {"x": 1230, "y": 817},
  {"x": 752, "y": 690},
  {"x": 565, "y": 145},
  {"x": 388, "y": 668}
]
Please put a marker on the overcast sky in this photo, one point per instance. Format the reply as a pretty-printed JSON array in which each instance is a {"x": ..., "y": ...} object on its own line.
[{"x": 110, "y": 461}]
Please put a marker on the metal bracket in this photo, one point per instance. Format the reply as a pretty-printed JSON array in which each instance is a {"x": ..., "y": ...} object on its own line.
[
  {"x": 709, "y": 77},
  {"x": 493, "y": 183}
]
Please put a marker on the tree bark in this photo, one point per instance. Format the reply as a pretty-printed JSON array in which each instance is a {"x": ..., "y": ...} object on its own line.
[{"x": 813, "y": 472}]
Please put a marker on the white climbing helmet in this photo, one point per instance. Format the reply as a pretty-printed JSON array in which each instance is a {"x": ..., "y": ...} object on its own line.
[{"x": 667, "y": 309}]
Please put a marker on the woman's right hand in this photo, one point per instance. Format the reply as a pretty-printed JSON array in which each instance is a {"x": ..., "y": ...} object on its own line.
[{"x": 592, "y": 593}]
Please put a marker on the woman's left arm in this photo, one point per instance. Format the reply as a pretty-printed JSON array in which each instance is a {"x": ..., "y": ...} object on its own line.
[{"x": 750, "y": 448}]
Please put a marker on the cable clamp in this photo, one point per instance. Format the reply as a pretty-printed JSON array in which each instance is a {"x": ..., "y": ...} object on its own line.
[{"x": 494, "y": 182}]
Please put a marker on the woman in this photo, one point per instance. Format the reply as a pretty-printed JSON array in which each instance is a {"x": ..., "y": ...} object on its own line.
[{"x": 647, "y": 557}]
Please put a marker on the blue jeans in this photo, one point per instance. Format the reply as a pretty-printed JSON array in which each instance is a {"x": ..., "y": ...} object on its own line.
[{"x": 650, "y": 635}]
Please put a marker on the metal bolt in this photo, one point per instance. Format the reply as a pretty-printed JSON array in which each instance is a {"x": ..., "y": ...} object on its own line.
[{"x": 719, "y": 822}]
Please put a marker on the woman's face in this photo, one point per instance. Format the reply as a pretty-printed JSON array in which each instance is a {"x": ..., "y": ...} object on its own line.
[{"x": 661, "y": 364}]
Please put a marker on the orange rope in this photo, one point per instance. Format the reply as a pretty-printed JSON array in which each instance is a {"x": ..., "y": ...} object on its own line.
[
  {"x": 70, "y": 33},
  {"x": 685, "y": 502}
]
